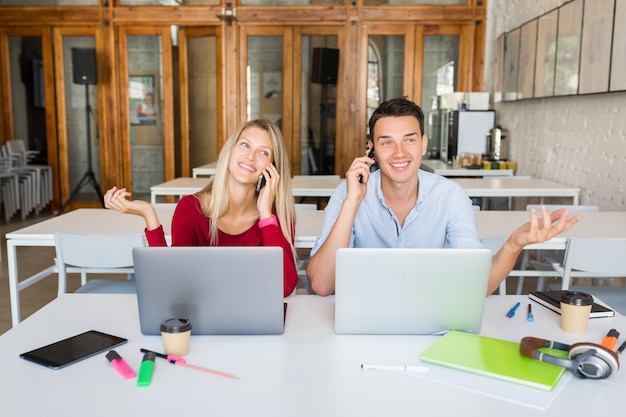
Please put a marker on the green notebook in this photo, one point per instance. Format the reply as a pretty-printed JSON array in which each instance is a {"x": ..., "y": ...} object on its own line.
[{"x": 495, "y": 358}]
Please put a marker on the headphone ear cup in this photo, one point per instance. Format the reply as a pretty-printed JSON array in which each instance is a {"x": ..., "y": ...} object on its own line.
[{"x": 593, "y": 361}]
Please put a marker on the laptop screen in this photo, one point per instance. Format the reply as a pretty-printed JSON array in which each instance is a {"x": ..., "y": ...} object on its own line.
[
  {"x": 410, "y": 291},
  {"x": 222, "y": 290}
]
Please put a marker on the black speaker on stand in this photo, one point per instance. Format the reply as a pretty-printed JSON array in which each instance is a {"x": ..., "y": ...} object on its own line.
[
  {"x": 324, "y": 70},
  {"x": 84, "y": 67}
]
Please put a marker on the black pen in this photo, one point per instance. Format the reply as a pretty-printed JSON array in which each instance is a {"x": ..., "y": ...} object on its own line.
[
  {"x": 177, "y": 360},
  {"x": 530, "y": 316},
  {"x": 621, "y": 348}
]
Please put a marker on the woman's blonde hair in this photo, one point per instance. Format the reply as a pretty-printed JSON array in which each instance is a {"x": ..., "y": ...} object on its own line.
[{"x": 214, "y": 198}]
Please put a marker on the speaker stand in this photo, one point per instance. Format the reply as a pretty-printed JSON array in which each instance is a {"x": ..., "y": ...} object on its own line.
[
  {"x": 323, "y": 137},
  {"x": 89, "y": 177}
]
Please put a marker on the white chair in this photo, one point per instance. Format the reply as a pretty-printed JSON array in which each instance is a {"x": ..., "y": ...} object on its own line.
[
  {"x": 596, "y": 259},
  {"x": 41, "y": 175},
  {"x": 101, "y": 254},
  {"x": 537, "y": 264}
]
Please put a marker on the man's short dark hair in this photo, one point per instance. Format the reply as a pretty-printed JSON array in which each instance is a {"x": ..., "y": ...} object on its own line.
[{"x": 396, "y": 107}]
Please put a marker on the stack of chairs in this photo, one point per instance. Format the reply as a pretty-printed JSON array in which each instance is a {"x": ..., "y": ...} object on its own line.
[{"x": 34, "y": 181}]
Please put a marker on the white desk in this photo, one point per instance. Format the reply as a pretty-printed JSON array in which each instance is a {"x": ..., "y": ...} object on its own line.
[
  {"x": 439, "y": 167},
  {"x": 314, "y": 186},
  {"x": 305, "y": 186},
  {"x": 307, "y": 371},
  {"x": 178, "y": 187},
  {"x": 601, "y": 224},
  {"x": 207, "y": 170},
  {"x": 103, "y": 221},
  {"x": 516, "y": 187}
]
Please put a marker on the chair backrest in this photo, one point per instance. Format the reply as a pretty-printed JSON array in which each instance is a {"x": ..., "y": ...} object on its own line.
[
  {"x": 97, "y": 251},
  {"x": 572, "y": 208},
  {"x": 597, "y": 257}
]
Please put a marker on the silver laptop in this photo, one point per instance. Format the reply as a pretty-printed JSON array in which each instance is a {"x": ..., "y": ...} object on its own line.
[
  {"x": 222, "y": 290},
  {"x": 410, "y": 291}
]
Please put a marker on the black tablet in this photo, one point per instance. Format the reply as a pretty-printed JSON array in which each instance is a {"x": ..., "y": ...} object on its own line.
[{"x": 71, "y": 350}]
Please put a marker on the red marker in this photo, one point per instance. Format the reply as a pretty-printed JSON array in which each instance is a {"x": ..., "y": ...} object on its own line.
[{"x": 610, "y": 340}]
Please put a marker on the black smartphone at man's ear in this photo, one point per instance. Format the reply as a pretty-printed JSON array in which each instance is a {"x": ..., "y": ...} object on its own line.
[
  {"x": 370, "y": 154},
  {"x": 260, "y": 183}
]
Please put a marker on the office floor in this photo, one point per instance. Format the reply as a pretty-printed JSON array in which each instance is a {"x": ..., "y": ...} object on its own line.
[{"x": 34, "y": 259}]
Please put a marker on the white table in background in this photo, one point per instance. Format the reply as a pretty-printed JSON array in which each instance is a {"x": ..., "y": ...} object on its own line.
[
  {"x": 439, "y": 167},
  {"x": 178, "y": 187},
  {"x": 314, "y": 186},
  {"x": 600, "y": 224},
  {"x": 103, "y": 221},
  {"x": 302, "y": 186},
  {"x": 307, "y": 371},
  {"x": 516, "y": 187},
  {"x": 207, "y": 170}
]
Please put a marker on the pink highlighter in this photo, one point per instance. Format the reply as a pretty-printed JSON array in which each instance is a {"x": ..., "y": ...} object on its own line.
[{"x": 120, "y": 365}]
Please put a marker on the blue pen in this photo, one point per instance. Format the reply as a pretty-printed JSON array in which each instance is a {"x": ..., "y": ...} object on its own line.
[
  {"x": 511, "y": 312},
  {"x": 530, "y": 316}
]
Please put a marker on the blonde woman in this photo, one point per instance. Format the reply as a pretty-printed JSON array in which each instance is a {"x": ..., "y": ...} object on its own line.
[{"x": 230, "y": 211}]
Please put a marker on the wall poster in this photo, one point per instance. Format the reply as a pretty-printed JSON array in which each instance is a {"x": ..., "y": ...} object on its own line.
[
  {"x": 511, "y": 65},
  {"x": 595, "y": 54},
  {"x": 546, "y": 54},
  {"x": 568, "y": 48},
  {"x": 143, "y": 100},
  {"x": 618, "y": 60},
  {"x": 528, "y": 48}
]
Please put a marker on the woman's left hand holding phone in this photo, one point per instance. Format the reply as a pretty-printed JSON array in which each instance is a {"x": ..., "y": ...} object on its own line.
[{"x": 267, "y": 194}]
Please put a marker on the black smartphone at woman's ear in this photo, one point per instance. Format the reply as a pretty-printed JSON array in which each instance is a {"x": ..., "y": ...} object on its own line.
[{"x": 260, "y": 183}]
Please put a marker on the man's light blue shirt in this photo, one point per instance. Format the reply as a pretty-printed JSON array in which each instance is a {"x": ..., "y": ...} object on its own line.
[{"x": 442, "y": 217}]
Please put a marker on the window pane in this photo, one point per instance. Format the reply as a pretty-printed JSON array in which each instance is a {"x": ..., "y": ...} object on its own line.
[
  {"x": 291, "y": 2},
  {"x": 146, "y": 127},
  {"x": 81, "y": 107},
  {"x": 265, "y": 73},
  {"x": 27, "y": 94},
  {"x": 318, "y": 123},
  {"x": 202, "y": 67},
  {"x": 415, "y": 2},
  {"x": 48, "y": 2},
  {"x": 440, "y": 69},
  {"x": 168, "y": 2}
]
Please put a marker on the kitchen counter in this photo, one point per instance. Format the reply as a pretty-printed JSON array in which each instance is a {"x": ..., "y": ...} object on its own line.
[{"x": 440, "y": 167}]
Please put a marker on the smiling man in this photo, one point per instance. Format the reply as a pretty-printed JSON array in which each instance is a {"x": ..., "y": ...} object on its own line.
[{"x": 401, "y": 206}]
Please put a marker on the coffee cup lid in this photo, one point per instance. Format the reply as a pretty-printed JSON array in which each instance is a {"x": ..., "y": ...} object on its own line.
[
  {"x": 175, "y": 325},
  {"x": 576, "y": 298}
]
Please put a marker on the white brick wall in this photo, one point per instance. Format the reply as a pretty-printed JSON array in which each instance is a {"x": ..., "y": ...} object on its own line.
[{"x": 579, "y": 140}]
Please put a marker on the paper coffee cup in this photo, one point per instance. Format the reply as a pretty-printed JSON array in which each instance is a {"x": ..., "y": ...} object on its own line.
[
  {"x": 575, "y": 310},
  {"x": 176, "y": 334}
]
